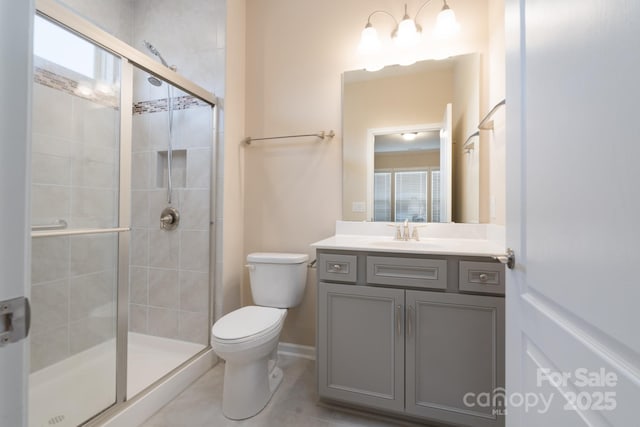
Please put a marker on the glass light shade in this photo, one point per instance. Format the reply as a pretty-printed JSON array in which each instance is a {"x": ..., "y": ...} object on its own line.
[
  {"x": 446, "y": 23},
  {"x": 410, "y": 136},
  {"x": 407, "y": 34},
  {"x": 369, "y": 41}
]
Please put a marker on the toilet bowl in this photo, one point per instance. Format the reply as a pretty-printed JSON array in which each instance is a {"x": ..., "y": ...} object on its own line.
[{"x": 247, "y": 338}]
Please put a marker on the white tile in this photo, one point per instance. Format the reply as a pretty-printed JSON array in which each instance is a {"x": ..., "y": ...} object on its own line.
[
  {"x": 90, "y": 254},
  {"x": 138, "y": 318},
  {"x": 140, "y": 208},
  {"x": 163, "y": 248},
  {"x": 49, "y": 306},
  {"x": 49, "y": 259},
  {"x": 49, "y": 347},
  {"x": 194, "y": 209},
  {"x": 50, "y": 203},
  {"x": 90, "y": 332},
  {"x": 93, "y": 296},
  {"x": 194, "y": 251},
  {"x": 194, "y": 291},
  {"x": 141, "y": 171},
  {"x": 50, "y": 169},
  {"x": 139, "y": 247},
  {"x": 199, "y": 168},
  {"x": 56, "y": 121},
  {"x": 164, "y": 289},
  {"x": 138, "y": 285},
  {"x": 194, "y": 327},
  {"x": 163, "y": 322}
]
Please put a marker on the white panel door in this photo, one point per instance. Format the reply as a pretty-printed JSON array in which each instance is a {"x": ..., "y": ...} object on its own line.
[
  {"x": 446, "y": 164},
  {"x": 16, "y": 19},
  {"x": 573, "y": 206}
]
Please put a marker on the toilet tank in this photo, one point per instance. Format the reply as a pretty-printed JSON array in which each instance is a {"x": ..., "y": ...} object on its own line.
[{"x": 277, "y": 279}]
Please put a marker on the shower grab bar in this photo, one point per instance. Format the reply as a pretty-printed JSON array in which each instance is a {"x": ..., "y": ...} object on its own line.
[
  {"x": 80, "y": 231},
  {"x": 58, "y": 225},
  {"x": 321, "y": 135}
]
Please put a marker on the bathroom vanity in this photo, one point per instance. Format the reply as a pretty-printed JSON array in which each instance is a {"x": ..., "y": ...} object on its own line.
[{"x": 412, "y": 328}]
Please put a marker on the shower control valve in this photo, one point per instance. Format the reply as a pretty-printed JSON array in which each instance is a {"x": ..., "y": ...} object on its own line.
[{"x": 169, "y": 219}]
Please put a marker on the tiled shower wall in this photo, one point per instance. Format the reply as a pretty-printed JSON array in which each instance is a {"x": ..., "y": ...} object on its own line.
[
  {"x": 75, "y": 178},
  {"x": 169, "y": 286}
]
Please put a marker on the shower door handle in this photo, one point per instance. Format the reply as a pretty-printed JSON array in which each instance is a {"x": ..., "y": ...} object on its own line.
[{"x": 15, "y": 320}]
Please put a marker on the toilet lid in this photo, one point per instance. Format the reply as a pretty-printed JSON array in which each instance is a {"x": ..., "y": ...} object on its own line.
[{"x": 247, "y": 321}]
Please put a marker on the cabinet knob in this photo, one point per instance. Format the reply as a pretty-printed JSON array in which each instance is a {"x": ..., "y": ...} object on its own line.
[
  {"x": 337, "y": 267},
  {"x": 483, "y": 277}
]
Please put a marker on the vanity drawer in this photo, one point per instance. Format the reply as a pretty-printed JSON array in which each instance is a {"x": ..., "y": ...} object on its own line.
[
  {"x": 340, "y": 268},
  {"x": 407, "y": 272},
  {"x": 484, "y": 277}
]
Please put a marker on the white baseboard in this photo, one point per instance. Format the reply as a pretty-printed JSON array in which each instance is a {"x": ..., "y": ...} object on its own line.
[{"x": 304, "y": 351}]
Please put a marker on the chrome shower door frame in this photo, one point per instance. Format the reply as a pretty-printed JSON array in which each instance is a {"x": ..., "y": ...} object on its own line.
[{"x": 130, "y": 57}]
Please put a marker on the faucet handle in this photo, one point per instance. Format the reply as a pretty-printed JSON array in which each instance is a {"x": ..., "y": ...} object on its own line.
[
  {"x": 414, "y": 234},
  {"x": 398, "y": 235}
]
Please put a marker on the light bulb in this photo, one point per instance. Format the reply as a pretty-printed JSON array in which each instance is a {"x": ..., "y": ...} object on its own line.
[
  {"x": 446, "y": 23},
  {"x": 369, "y": 41},
  {"x": 409, "y": 136},
  {"x": 407, "y": 34}
]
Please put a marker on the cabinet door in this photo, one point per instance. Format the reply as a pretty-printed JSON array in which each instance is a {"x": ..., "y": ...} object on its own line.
[
  {"x": 361, "y": 345},
  {"x": 455, "y": 346}
]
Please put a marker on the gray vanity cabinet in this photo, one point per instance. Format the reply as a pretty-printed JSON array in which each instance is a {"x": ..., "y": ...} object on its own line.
[
  {"x": 361, "y": 341},
  {"x": 415, "y": 350},
  {"x": 454, "y": 346}
]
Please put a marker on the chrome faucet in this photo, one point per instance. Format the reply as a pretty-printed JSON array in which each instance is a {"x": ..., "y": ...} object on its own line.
[{"x": 405, "y": 230}]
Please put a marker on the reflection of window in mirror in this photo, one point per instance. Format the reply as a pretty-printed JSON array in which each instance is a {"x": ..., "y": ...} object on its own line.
[{"x": 411, "y": 194}]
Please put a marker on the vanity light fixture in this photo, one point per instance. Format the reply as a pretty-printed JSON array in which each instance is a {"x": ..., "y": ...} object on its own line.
[{"x": 407, "y": 32}]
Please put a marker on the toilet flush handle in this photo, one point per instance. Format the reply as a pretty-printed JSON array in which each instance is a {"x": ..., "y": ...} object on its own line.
[{"x": 250, "y": 267}]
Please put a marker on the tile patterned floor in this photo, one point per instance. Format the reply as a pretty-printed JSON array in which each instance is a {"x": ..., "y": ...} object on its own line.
[{"x": 294, "y": 404}]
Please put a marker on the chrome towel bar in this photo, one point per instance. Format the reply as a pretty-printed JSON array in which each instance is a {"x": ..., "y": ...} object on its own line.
[{"x": 322, "y": 135}]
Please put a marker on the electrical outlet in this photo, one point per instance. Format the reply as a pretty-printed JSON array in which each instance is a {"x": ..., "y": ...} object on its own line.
[{"x": 358, "y": 207}]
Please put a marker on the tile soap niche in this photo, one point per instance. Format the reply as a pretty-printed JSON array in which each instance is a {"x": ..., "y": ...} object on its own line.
[{"x": 178, "y": 165}]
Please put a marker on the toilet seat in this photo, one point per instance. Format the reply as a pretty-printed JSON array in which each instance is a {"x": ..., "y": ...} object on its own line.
[{"x": 248, "y": 324}]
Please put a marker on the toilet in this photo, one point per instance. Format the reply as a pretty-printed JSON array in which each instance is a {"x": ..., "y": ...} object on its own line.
[{"x": 247, "y": 338}]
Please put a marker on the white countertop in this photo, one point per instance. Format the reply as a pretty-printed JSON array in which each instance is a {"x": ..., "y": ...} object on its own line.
[{"x": 354, "y": 237}]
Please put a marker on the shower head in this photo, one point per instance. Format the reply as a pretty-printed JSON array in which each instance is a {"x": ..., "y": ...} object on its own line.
[
  {"x": 154, "y": 51},
  {"x": 154, "y": 81}
]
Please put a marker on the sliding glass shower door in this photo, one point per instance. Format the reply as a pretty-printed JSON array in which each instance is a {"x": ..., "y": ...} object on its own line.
[{"x": 75, "y": 227}]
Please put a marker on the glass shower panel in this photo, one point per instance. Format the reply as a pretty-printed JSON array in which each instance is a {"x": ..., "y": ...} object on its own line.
[
  {"x": 169, "y": 268},
  {"x": 75, "y": 191}
]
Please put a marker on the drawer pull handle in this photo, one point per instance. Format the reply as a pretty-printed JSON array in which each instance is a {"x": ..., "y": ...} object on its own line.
[
  {"x": 337, "y": 267},
  {"x": 410, "y": 321},
  {"x": 484, "y": 277},
  {"x": 399, "y": 320}
]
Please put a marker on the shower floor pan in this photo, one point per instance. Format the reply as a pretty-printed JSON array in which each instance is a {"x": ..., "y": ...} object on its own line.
[{"x": 75, "y": 389}]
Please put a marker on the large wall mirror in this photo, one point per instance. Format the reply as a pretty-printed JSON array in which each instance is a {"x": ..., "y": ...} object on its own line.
[{"x": 403, "y": 134}]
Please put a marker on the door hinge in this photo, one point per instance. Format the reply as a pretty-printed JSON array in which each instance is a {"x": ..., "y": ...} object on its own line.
[
  {"x": 15, "y": 320},
  {"x": 509, "y": 259}
]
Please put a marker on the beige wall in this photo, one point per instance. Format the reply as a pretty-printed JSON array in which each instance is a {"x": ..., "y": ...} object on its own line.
[
  {"x": 230, "y": 168},
  {"x": 496, "y": 91},
  {"x": 466, "y": 115},
  {"x": 296, "y": 52}
]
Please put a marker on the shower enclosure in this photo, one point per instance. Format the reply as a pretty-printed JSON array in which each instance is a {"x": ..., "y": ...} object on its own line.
[{"x": 120, "y": 291}]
